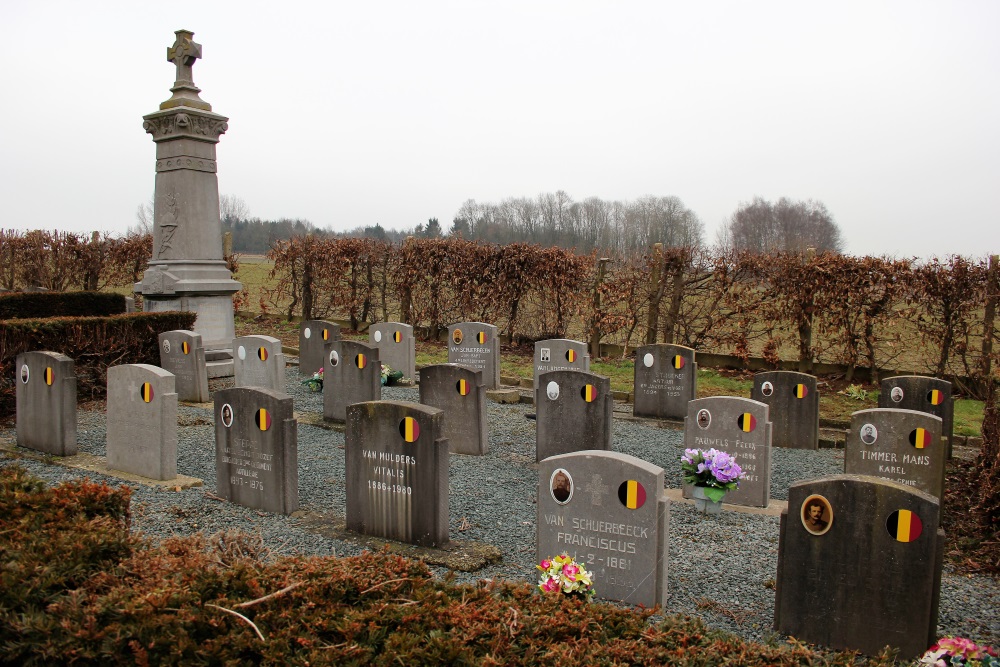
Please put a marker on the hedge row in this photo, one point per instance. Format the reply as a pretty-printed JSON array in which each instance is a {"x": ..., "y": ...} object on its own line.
[{"x": 60, "y": 304}]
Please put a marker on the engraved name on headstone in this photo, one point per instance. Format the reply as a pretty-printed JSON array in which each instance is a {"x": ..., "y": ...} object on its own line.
[
  {"x": 475, "y": 345},
  {"x": 352, "y": 374},
  {"x": 927, "y": 394},
  {"x": 904, "y": 446},
  {"x": 460, "y": 393},
  {"x": 794, "y": 402},
  {"x": 396, "y": 346},
  {"x": 313, "y": 335},
  {"x": 666, "y": 378},
  {"x": 559, "y": 354},
  {"x": 259, "y": 362},
  {"x": 182, "y": 353},
  {"x": 142, "y": 421},
  {"x": 45, "y": 400},
  {"x": 573, "y": 413}
]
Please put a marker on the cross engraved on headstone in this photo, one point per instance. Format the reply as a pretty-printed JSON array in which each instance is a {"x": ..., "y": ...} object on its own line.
[
  {"x": 596, "y": 488},
  {"x": 183, "y": 54}
]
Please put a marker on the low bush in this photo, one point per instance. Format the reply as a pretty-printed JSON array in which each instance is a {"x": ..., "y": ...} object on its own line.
[{"x": 60, "y": 304}]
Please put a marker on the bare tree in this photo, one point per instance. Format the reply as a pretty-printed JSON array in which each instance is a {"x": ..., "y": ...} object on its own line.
[
  {"x": 143, "y": 220},
  {"x": 785, "y": 226},
  {"x": 233, "y": 209}
]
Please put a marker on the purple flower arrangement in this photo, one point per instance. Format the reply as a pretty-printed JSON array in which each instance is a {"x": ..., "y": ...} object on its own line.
[{"x": 716, "y": 472}]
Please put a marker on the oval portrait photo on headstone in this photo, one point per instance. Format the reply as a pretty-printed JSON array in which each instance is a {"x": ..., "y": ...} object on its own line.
[
  {"x": 334, "y": 358},
  {"x": 869, "y": 434},
  {"x": 704, "y": 418},
  {"x": 552, "y": 391},
  {"x": 561, "y": 486},
  {"x": 896, "y": 394},
  {"x": 457, "y": 336},
  {"x": 227, "y": 415},
  {"x": 767, "y": 389},
  {"x": 307, "y": 332},
  {"x": 25, "y": 374},
  {"x": 166, "y": 347},
  {"x": 378, "y": 336},
  {"x": 242, "y": 353},
  {"x": 817, "y": 514},
  {"x": 647, "y": 360}
]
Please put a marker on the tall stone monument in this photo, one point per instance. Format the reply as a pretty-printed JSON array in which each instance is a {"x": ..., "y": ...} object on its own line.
[{"x": 187, "y": 271}]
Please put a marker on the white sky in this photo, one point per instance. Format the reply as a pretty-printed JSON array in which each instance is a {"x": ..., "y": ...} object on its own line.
[{"x": 359, "y": 113}]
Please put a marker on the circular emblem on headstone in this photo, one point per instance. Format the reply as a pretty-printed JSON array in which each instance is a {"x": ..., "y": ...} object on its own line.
[
  {"x": 801, "y": 391},
  {"x": 904, "y": 526},
  {"x": 920, "y": 438},
  {"x": 263, "y": 419},
  {"x": 632, "y": 494},
  {"x": 307, "y": 333},
  {"x": 377, "y": 336},
  {"x": 227, "y": 415},
  {"x": 334, "y": 358},
  {"x": 647, "y": 360},
  {"x": 935, "y": 397},
  {"x": 409, "y": 429},
  {"x": 463, "y": 387},
  {"x": 896, "y": 394},
  {"x": 50, "y": 375},
  {"x": 481, "y": 338},
  {"x": 326, "y": 334},
  {"x": 677, "y": 362},
  {"x": 457, "y": 336},
  {"x": 166, "y": 347},
  {"x": 397, "y": 337},
  {"x": 25, "y": 374},
  {"x": 747, "y": 422},
  {"x": 704, "y": 418},
  {"x": 552, "y": 390},
  {"x": 869, "y": 434},
  {"x": 571, "y": 356},
  {"x": 816, "y": 514},
  {"x": 241, "y": 352},
  {"x": 561, "y": 486},
  {"x": 146, "y": 392},
  {"x": 361, "y": 361},
  {"x": 262, "y": 353},
  {"x": 588, "y": 392},
  {"x": 185, "y": 348},
  {"x": 767, "y": 389}
]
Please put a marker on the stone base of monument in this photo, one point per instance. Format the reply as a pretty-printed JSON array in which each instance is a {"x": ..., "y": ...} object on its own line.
[
  {"x": 316, "y": 419},
  {"x": 219, "y": 363},
  {"x": 504, "y": 395},
  {"x": 774, "y": 508}
]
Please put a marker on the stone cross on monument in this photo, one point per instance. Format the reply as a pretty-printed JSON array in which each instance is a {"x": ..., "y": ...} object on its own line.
[{"x": 187, "y": 271}]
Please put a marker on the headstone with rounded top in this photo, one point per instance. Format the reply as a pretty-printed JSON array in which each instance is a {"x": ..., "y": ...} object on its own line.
[
  {"x": 573, "y": 413},
  {"x": 182, "y": 353},
  {"x": 352, "y": 375},
  {"x": 459, "y": 392},
  {"x": 396, "y": 347},
  {"x": 904, "y": 446},
  {"x": 559, "y": 354},
  {"x": 259, "y": 362},
  {"x": 919, "y": 392},
  {"x": 142, "y": 421},
  {"x": 794, "y": 401},
  {"x": 666, "y": 378},
  {"x": 475, "y": 345},
  {"x": 313, "y": 335},
  {"x": 45, "y": 401}
]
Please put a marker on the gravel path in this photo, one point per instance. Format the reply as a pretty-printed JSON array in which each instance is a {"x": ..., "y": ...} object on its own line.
[{"x": 721, "y": 569}]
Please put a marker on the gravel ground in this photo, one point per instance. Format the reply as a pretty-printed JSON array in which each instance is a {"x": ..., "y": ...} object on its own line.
[{"x": 721, "y": 569}]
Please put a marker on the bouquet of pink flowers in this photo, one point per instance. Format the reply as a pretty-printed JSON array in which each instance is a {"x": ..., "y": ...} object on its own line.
[
  {"x": 562, "y": 574},
  {"x": 960, "y": 651}
]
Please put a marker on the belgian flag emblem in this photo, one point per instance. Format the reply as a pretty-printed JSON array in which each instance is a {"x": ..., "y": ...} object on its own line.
[
  {"x": 185, "y": 347},
  {"x": 801, "y": 391},
  {"x": 747, "y": 422},
  {"x": 632, "y": 494},
  {"x": 263, "y": 419},
  {"x": 361, "y": 361},
  {"x": 570, "y": 356},
  {"x": 146, "y": 392},
  {"x": 677, "y": 362},
  {"x": 50, "y": 375},
  {"x": 463, "y": 387},
  {"x": 326, "y": 334},
  {"x": 920, "y": 438},
  {"x": 589, "y": 392},
  {"x": 409, "y": 429},
  {"x": 262, "y": 353},
  {"x": 481, "y": 337},
  {"x": 398, "y": 337},
  {"x": 935, "y": 397},
  {"x": 904, "y": 526}
]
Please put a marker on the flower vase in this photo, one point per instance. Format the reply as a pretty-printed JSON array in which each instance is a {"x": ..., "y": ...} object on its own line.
[{"x": 703, "y": 504}]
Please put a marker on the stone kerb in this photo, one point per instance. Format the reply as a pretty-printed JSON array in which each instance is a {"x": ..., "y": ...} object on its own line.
[
  {"x": 397, "y": 472},
  {"x": 926, "y": 394},
  {"x": 45, "y": 401},
  {"x": 476, "y": 345},
  {"x": 794, "y": 401},
  {"x": 608, "y": 511},
  {"x": 460, "y": 393},
  {"x": 259, "y": 362},
  {"x": 573, "y": 413},
  {"x": 396, "y": 346},
  {"x": 256, "y": 449},
  {"x": 859, "y": 565},
  {"x": 739, "y": 427},
  {"x": 182, "y": 353},
  {"x": 142, "y": 421},
  {"x": 313, "y": 335},
  {"x": 560, "y": 354},
  {"x": 352, "y": 375},
  {"x": 666, "y": 378},
  {"x": 904, "y": 446}
]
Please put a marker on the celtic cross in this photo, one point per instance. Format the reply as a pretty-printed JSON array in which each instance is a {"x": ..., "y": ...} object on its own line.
[{"x": 183, "y": 54}]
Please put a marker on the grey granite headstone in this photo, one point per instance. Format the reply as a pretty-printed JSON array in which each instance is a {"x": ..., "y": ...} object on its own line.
[
  {"x": 927, "y": 394},
  {"x": 352, "y": 375},
  {"x": 313, "y": 335},
  {"x": 666, "y": 378},
  {"x": 559, "y": 354},
  {"x": 573, "y": 413},
  {"x": 396, "y": 347},
  {"x": 475, "y": 345},
  {"x": 904, "y": 446},
  {"x": 142, "y": 421},
  {"x": 45, "y": 401},
  {"x": 460, "y": 393},
  {"x": 610, "y": 512},
  {"x": 865, "y": 572},
  {"x": 397, "y": 472},
  {"x": 256, "y": 449},
  {"x": 259, "y": 362},
  {"x": 740, "y": 428},
  {"x": 182, "y": 353},
  {"x": 794, "y": 402}
]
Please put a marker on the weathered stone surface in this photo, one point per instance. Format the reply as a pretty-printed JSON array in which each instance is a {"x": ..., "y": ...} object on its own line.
[
  {"x": 504, "y": 395},
  {"x": 739, "y": 427},
  {"x": 573, "y": 413},
  {"x": 142, "y": 421},
  {"x": 666, "y": 378},
  {"x": 794, "y": 402},
  {"x": 867, "y": 573},
  {"x": 45, "y": 400},
  {"x": 609, "y": 512},
  {"x": 313, "y": 335},
  {"x": 256, "y": 449},
  {"x": 396, "y": 347},
  {"x": 352, "y": 375},
  {"x": 459, "y": 392},
  {"x": 476, "y": 345},
  {"x": 917, "y": 392},
  {"x": 397, "y": 472},
  {"x": 558, "y": 354},
  {"x": 904, "y": 446},
  {"x": 182, "y": 353},
  {"x": 259, "y": 362}
]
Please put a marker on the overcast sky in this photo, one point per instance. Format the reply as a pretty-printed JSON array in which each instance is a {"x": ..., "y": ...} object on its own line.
[{"x": 358, "y": 113}]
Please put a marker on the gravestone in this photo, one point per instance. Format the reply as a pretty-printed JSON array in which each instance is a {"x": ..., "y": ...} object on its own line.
[
  {"x": 256, "y": 449},
  {"x": 45, "y": 400},
  {"x": 259, "y": 362},
  {"x": 927, "y": 394},
  {"x": 904, "y": 446},
  {"x": 666, "y": 378},
  {"x": 353, "y": 375},
  {"x": 395, "y": 344},
  {"x": 740, "y": 428},
  {"x": 313, "y": 335},
  {"x": 559, "y": 354},
  {"x": 610, "y": 512},
  {"x": 794, "y": 407},
  {"x": 460, "y": 393},
  {"x": 573, "y": 413},
  {"x": 182, "y": 354},
  {"x": 859, "y": 565},
  {"x": 475, "y": 345},
  {"x": 397, "y": 472},
  {"x": 142, "y": 421}
]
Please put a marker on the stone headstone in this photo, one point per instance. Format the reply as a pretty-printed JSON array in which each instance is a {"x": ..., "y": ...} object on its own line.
[
  {"x": 256, "y": 449},
  {"x": 352, "y": 375},
  {"x": 460, "y": 393},
  {"x": 740, "y": 428},
  {"x": 475, "y": 345},
  {"x": 129, "y": 304},
  {"x": 609, "y": 511},
  {"x": 46, "y": 402},
  {"x": 573, "y": 413},
  {"x": 396, "y": 348},
  {"x": 859, "y": 565},
  {"x": 559, "y": 354},
  {"x": 259, "y": 362},
  {"x": 794, "y": 402},
  {"x": 927, "y": 394},
  {"x": 182, "y": 353},
  {"x": 904, "y": 446},
  {"x": 666, "y": 378},
  {"x": 397, "y": 472},
  {"x": 142, "y": 421},
  {"x": 313, "y": 335}
]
